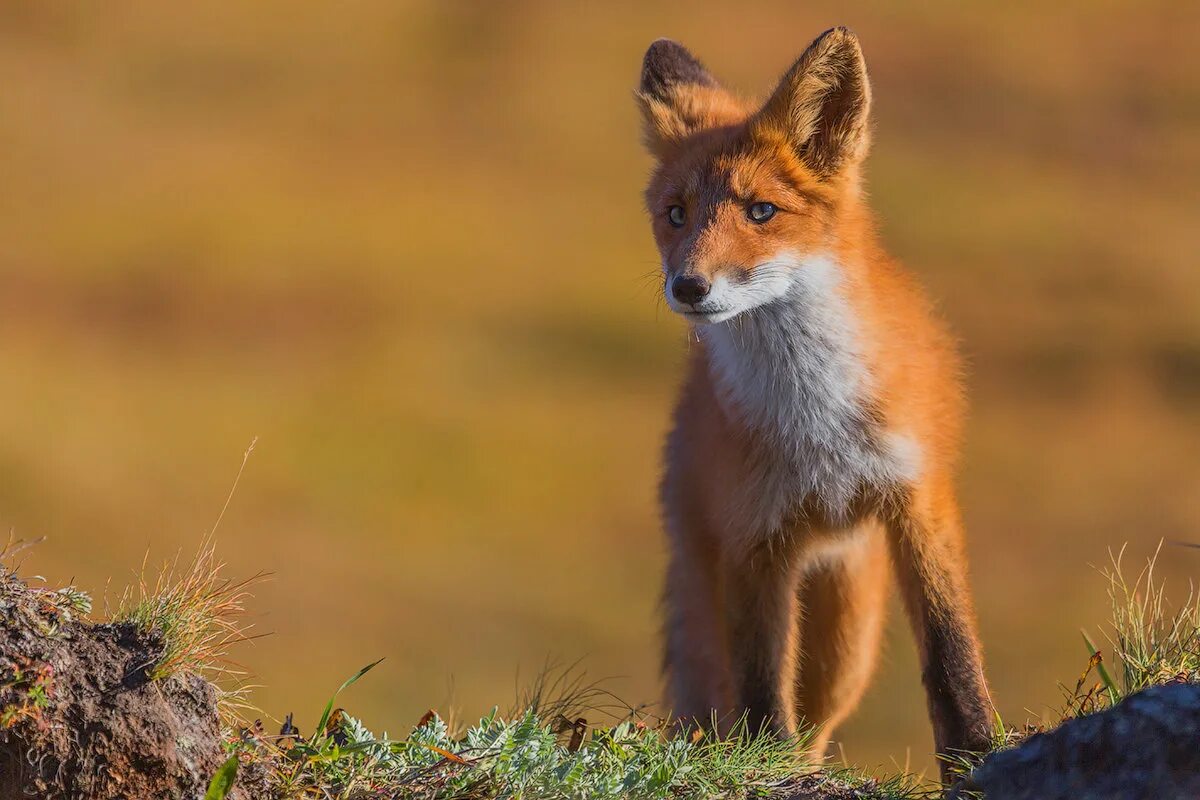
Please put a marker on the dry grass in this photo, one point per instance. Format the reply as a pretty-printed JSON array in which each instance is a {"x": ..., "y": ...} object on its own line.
[
  {"x": 198, "y": 613},
  {"x": 1151, "y": 641},
  {"x": 1155, "y": 641}
]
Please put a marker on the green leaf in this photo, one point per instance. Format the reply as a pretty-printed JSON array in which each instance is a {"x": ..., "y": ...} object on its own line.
[
  {"x": 349, "y": 682},
  {"x": 222, "y": 780},
  {"x": 1109, "y": 683}
]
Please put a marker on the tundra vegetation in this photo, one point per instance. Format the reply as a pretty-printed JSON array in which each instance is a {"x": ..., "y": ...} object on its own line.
[{"x": 563, "y": 737}]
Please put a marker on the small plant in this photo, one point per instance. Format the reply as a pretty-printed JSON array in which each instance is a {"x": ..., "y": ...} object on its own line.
[
  {"x": 44, "y": 609},
  {"x": 25, "y": 689},
  {"x": 71, "y": 601},
  {"x": 197, "y": 612},
  {"x": 1154, "y": 642},
  {"x": 194, "y": 608},
  {"x": 1151, "y": 642}
]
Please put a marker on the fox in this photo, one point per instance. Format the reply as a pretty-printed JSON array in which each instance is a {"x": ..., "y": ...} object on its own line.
[{"x": 815, "y": 437}]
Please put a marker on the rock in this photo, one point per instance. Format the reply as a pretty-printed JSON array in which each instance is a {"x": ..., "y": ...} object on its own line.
[
  {"x": 82, "y": 717},
  {"x": 1147, "y": 746}
]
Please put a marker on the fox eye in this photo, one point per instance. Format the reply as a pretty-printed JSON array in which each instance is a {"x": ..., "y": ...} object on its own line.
[
  {"x": 761, "y": 212},
  {"x": 676, "y": 216}
]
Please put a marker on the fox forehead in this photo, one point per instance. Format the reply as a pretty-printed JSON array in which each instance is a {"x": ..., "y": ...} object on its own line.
[{"x": 726, "y": 164}]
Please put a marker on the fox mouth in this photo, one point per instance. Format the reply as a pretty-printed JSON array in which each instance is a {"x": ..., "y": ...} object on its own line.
[{"x": 709, "y": 316}]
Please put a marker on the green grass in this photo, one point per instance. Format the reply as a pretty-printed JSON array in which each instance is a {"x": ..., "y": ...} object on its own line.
[
  {"x": 530, "y": 756},
  {"x": 546, "y": 749}
]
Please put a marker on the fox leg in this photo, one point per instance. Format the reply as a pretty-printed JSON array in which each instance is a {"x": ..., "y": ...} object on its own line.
[
  {"x": 926, "y": 540},
  {"x": 695, "y": 660},
  {"x": 845, "y": 604},
  {"x": 761, "y": 614}
]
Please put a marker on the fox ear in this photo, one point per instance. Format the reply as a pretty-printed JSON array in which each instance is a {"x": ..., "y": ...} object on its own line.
[
  {"x": 822, "y": 104},
  {"x": 677, "y": 95},
  {"x": 667, "y": 65}
]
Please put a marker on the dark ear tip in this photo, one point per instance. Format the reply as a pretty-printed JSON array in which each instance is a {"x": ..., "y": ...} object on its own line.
[
  {"x": 840, "y": 33},
  {"x": 664, "y": 50},
  {"x": 668, "y": 63},
  {"x": 663, "y": 44},
  {"x": 837, "y": 37}
]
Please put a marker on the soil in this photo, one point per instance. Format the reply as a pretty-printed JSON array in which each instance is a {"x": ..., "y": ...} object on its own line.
[
  {"x": 81, "y": 717},
  {"x": 821, "y": 787}
]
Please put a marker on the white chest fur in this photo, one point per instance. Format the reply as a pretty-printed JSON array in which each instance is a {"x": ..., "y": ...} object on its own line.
[{"x": 792, "y": 371}]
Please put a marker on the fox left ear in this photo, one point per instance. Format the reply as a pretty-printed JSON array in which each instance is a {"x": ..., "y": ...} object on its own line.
[
  {"x": 822, "y": 104},
  {"x": 677, "y": 96}
]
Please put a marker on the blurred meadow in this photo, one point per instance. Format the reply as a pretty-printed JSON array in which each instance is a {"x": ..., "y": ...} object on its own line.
[{"x": 402, "y": 243}]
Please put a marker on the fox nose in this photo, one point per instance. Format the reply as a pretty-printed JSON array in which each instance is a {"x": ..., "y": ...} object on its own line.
[{"x": 690, "y": 289}]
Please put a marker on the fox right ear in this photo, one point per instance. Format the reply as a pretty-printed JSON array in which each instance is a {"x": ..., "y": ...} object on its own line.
[{"x": 677, "y": 95}]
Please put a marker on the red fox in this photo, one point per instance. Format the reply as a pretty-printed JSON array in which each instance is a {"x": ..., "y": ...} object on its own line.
[{"x": 815, "y": 436}]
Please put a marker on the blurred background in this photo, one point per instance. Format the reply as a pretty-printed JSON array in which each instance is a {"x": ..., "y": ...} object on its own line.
[{"x": 402, "y": 243}]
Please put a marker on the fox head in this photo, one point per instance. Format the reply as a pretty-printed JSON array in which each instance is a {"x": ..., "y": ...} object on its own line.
[{"x": 744, "y": 195}]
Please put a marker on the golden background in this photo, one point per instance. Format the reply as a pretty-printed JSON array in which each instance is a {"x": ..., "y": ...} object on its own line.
[{"x": 402, "y": 243}]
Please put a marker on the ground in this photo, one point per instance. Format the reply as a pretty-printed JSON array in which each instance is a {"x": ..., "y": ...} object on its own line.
[{"x": 125, "y": 708}]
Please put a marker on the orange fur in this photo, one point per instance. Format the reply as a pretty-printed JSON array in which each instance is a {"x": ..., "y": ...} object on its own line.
[{"x": 778, "y": 577}]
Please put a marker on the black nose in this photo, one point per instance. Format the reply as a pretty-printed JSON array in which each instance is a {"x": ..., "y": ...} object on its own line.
[{"x": 690, "y": 289}]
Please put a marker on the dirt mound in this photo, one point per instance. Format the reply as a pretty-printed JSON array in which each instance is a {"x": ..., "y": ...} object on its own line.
[{"x": 79, "y": 715}]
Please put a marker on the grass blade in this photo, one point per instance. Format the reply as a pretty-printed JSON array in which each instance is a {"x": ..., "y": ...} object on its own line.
[
  {"x": 349, "y": 682},
  {"x": 1109, "y": 684}
]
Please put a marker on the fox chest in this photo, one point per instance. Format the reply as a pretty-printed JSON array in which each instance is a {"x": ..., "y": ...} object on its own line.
[{"x": 791, "y": 379}]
